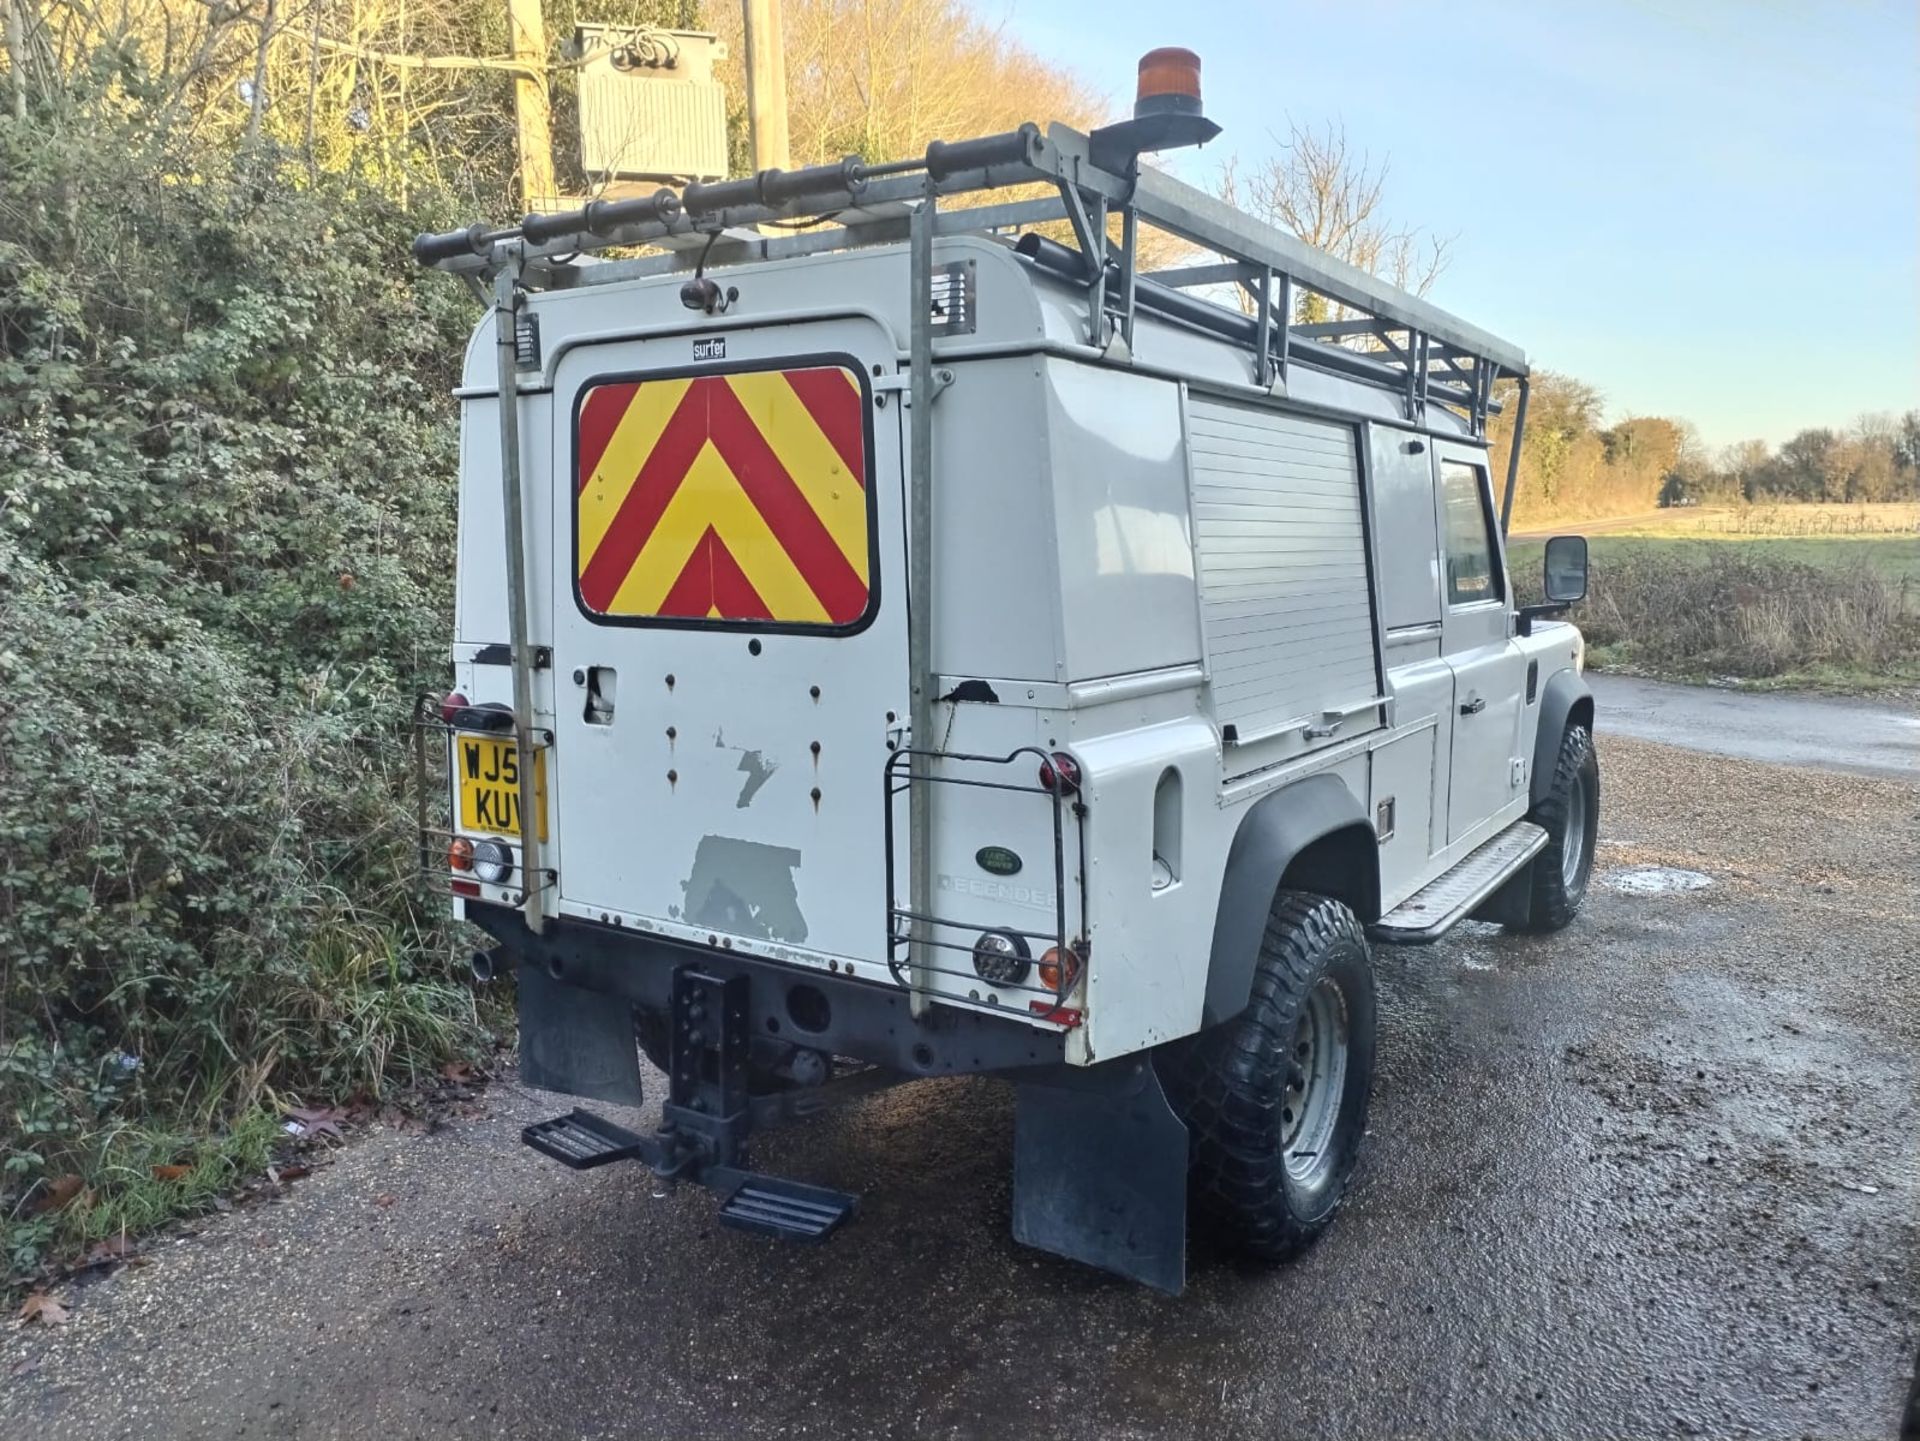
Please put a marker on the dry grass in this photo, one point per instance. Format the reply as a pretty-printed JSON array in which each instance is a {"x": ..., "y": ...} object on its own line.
[
  {"x": 1893, "y": 518},
  {"x": 1745, "y": 613}
]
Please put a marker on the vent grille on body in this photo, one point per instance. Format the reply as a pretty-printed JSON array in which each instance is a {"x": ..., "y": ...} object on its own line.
[{"x": 953, "y": 306}]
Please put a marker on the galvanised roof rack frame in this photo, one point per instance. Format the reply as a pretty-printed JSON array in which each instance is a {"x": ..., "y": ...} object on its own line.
[{"x": 1385, "y": 336}]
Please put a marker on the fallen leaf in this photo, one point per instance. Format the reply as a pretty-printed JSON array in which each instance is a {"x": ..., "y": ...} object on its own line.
[
  {"x": 383, "y": 1200},
  {"x": 283, "y": 1174},
  {"x": 172, "y": 1173},
  {"x": 458, "y": 1071},
  {"x": 43, "y": 1308},
  {"x": 60, "y": 1192}
]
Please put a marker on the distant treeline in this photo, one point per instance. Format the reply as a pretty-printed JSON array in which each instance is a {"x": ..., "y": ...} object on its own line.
[{"x": 1573, "y": 466}]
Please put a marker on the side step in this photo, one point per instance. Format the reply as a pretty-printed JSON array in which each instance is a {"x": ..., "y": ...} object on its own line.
[
  {"x": 582, "y": 1140},
  {"x": 1430, "y": 913},
  {"x": 788, "y": 1210}
]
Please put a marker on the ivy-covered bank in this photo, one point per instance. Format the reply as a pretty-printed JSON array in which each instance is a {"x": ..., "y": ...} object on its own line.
[{"x": 226, "y": 541}]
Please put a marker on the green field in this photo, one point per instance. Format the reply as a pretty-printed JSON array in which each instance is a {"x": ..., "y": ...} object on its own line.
[
  {"x": 1897, "y": 557},
  {"x": 1832, "y": 611}
]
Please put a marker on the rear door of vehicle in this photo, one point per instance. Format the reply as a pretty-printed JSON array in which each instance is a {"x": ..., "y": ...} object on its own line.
[
  {"x": 1489, "y": 671},
  {"x": 730, "y": 633}
]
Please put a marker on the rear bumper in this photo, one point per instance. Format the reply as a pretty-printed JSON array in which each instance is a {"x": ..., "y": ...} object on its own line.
[{"x": 837, "y": 1015}]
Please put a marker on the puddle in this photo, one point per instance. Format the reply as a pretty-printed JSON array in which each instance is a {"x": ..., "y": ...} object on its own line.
[{"x": 1656, "y": 880}]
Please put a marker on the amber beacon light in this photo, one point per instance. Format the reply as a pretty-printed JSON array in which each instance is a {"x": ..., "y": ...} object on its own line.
[
  {"x": 1166, "y": 111},
  {"x": 1169, "y": 83}
]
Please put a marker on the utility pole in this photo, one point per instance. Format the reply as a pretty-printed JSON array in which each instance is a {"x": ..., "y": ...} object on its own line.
[
  {"x": 767, "y": 85},
  {"x": 533, "y": 133},
  {"x": 17, "y": 56}
]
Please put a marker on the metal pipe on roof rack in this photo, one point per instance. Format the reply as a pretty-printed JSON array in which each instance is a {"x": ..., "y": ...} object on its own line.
[
  {"x": 602, "y": 218},
  {"x": 1016, "y": 147},
  {"x": 1263, "y": 331},
  {"x": 1173, "y": 304},
  {"x": 1513, "y": 454},
  {"x": 1176, "y": 305},
  {"x": 1062, "y": 260},
  {"x": 476, "y": 239}
]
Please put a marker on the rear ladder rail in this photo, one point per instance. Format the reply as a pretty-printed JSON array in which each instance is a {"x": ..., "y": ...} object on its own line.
[{"x": 942, "y": 946}]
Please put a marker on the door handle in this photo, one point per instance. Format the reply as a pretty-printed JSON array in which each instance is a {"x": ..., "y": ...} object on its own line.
[{"x": 1474, "y": 706}]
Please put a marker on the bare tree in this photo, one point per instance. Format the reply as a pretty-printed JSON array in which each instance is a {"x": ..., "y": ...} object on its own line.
[{"x": 1316, "y": 186}]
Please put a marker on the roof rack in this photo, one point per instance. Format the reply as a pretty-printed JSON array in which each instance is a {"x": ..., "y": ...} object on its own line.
[{"x": 1384, "y": 335}]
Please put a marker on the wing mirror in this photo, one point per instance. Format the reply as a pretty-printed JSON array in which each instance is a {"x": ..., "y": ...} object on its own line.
[
  {"x": 1563, "y": 583},
  {"x": 1565, "y": 580}
]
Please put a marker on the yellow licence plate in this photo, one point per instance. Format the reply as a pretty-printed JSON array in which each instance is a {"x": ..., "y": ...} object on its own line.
[{"x": 489, "y": 772}]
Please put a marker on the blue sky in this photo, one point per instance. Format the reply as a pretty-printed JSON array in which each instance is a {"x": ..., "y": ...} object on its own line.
[{"x": 1707, "y": 208}]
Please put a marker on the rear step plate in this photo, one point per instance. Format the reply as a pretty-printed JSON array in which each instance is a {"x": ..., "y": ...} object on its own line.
[
  {"x": 1429, "y": 914},
  {"x": 582, "y": 1140},
  {"x": 789, "y": 1210}
]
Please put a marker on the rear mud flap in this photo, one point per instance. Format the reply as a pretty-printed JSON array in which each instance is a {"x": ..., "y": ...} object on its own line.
[
  {"x": 579, "y": 1042},
  {"x": 1100, "y": 1172}
]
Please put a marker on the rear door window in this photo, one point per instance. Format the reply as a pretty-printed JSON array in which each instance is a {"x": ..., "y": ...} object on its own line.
[{"x": 1473, "y": 567}]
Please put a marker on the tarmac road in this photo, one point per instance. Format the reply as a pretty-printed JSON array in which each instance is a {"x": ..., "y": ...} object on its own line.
[
  {"x": 1866, "y": 737},
  {"x": 1656, "y": 1176}
]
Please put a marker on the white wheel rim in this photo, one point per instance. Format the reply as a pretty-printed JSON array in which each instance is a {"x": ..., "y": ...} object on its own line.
[
  {"x": 1573, "y": 844},
  {"x": 1316, "y": 1084}
]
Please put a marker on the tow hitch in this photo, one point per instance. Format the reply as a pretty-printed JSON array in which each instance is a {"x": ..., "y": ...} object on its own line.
[{"x": 705, "y": 1121}]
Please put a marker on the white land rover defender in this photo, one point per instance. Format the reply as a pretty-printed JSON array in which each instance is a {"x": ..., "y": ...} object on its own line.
[{"x": 897, "y": 640}]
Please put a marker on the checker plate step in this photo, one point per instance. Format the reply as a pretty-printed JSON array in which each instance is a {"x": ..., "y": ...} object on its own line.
[
  {"x": 770, "y": 1206},
  {"x": 1429, "y": 914},
  {"x": 582, "y": 1140}
]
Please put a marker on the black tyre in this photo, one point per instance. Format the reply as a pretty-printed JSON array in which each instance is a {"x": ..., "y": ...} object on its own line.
[
  {"x": 1276, "y": 1099},
  {"x": 1570, "y": 814}
]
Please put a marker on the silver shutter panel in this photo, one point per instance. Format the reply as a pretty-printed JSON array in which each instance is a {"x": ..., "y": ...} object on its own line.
[{"x": 1282, "y": 547}]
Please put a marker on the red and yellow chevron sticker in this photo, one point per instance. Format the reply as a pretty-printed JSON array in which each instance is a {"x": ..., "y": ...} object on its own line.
[{"x": 724, "y": 497}]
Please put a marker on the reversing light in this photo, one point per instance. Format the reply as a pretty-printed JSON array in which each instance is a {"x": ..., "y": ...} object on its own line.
[
  {"x": 452, "y": 705},
  {"x": 1000, "y": 958},
  {"x": 460, "y": 854},
  {"x": 1060, "y": 775},
  {"x": 1059, "y": 970},
  {"x": 492, "y": 862}
]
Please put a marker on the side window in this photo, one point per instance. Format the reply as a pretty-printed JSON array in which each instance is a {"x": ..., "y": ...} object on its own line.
[{"x": 1472, "y": 572}]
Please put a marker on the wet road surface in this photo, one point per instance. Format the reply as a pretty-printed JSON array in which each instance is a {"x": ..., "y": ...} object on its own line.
[
  {"x": 1653, "y": 1177},
  {"x": 1863, "y": 736}
]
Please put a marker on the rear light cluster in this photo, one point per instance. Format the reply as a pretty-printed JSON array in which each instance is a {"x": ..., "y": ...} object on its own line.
[
  {"x": 1060, "y": 774},
  {"x": 489, "y": 861},
  {"x": 1000, "y": 958},
  {"x": 1059, "y": 970},
  {"x": 462, "y": 714}
]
